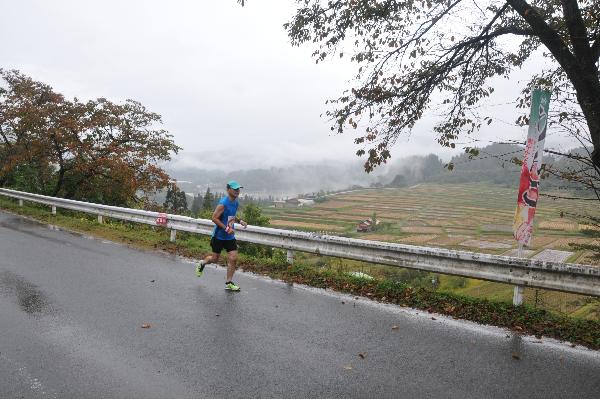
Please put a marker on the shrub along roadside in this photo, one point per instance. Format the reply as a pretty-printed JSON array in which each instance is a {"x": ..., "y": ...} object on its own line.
[{"x": 522, "y": 319}]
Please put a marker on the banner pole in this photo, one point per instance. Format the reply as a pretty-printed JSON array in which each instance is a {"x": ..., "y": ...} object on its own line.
[{"x": 518, "y": 291}]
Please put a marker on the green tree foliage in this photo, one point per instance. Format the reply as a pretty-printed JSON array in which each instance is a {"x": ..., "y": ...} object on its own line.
[
  {"x": 207, "y": 201},
  {"x": 252, "y": 214},
  {"x": 196, "y": 205},
  {"x": 414, "y": 56},
  {"x": 374, "y": 221},
  {"x": 398, "y": 181},
  {"x": 321, "y": 197},
  {"x": 176, "y": 201},
  {"x": 96, "y": 151}
]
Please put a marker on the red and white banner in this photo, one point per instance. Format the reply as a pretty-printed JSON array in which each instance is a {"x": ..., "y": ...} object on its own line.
[{"x": 530, "y": 170}]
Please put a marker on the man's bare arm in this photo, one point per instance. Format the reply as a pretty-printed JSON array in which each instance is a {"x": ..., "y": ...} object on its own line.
[{"x": 216, "y": 217}]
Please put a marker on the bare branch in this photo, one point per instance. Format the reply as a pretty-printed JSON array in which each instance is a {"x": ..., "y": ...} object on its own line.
[{"x": 555, "y": 197}]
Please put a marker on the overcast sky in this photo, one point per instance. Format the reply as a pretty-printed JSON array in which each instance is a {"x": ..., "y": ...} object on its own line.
[{"x": 229, "y": 86}]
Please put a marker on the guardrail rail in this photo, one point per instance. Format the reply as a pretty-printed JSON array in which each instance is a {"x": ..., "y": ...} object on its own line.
[{"x": 567, "y": 277}]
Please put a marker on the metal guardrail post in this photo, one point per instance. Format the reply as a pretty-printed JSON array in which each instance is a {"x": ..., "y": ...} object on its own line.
[
  {"x": 53, "y": 210},
  {"x": 20, "y": 202},
  {"x": 290, "y": 256},
  {"x": 173, "y": 235},
  {"x": 518, "y": 295},
  {"x": 100, "y": 219}
]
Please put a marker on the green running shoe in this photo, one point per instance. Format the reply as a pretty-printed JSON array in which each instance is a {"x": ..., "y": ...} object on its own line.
[
  {"x": 230, "y": 286},
  {"x": 200, "y": 269}
]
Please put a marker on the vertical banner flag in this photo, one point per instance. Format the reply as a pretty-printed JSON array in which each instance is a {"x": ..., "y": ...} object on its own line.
[{"x": 532, "y": 164}]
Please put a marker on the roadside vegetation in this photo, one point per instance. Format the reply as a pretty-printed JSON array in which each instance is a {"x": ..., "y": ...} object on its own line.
[{"x": 402, "y": 287}]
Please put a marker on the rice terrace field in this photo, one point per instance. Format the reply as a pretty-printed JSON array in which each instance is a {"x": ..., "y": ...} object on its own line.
[{"x": 473, "y": 217}]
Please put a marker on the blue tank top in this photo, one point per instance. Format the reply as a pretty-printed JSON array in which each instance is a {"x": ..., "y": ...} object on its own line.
[{"x": 227, "y": 218}]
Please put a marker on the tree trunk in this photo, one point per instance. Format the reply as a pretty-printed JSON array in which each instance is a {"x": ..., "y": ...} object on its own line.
[
  {"x": 59, "y": 183},
  {"x": 587, "y": 87},
  {"x": 579, "y": 64}
]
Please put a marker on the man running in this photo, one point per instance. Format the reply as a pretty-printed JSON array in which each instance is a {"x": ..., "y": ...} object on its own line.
[{"x": 223, "y": 235}]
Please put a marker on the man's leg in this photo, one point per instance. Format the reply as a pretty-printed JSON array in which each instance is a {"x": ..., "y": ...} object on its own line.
[
  {"x": 231, "y": 262},
  {"x": 212, "y": 258}
]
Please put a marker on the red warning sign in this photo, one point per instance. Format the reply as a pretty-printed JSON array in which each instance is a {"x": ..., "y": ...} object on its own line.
[{"x": 161, "y": 220}]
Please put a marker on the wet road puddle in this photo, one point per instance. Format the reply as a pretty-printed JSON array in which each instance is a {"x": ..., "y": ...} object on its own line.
[{"x": 28, "y": 296}]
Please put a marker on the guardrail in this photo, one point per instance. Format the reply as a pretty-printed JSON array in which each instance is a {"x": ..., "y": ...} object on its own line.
[{"x": 573, "y": 278}]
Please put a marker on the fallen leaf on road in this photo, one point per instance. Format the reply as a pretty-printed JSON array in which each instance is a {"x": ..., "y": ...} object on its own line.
[
  {"x": 516, "y": 356},
  {"x": 433, "y": 318},
  {"x": 362, "y": 355},
  {"x": 348, "y": 367},
  {"x": 395, "y": 327},
  {"x": 145, "y": 325}
]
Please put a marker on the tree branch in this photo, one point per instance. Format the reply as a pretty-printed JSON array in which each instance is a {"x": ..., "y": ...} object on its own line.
[
  {"x": 596, "y": 50},
  {"x": 577, "y": 30},
  {"x": 546, "y": 34},
  {"x": 555, "y": 197},
  {"x": 8, "y": 144},
  {"x": 505, "y": 30}
]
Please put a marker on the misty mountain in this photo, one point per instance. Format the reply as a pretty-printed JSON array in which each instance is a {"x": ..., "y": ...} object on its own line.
[
  {"x": 492, "y": 165},
  {"x": 281, "y": 181}
]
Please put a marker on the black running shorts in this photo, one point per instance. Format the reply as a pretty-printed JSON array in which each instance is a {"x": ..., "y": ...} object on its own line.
[{"x": 218, "y": 245}]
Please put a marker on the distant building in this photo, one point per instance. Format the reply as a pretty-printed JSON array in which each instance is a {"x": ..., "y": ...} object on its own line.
[
  {"x": 292, "y": 203},
  {"x": 306, "y": 202},
  {"x": 366, "y": 226},
  {"x": 279, "y": 204}
]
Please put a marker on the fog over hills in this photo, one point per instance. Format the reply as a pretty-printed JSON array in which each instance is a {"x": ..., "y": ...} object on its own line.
[
  {"x": 493, "y": 165},
  {"x": 279, "y": 181}
]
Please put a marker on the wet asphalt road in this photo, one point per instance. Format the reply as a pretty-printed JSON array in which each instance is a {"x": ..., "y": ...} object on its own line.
[{"x": 71, "y": 311}]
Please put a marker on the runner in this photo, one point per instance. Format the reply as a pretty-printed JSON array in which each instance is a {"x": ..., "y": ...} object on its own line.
[{"x": 223, "y": 236}]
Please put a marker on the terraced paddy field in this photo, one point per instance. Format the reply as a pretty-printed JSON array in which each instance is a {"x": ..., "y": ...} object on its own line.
[{"x": 473, "y": 217}]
